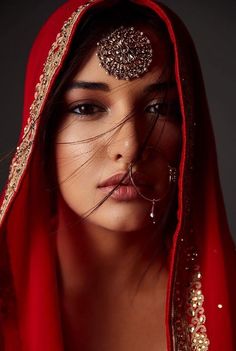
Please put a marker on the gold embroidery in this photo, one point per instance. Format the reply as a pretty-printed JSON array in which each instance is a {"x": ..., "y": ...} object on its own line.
[
  {"x": 198, "y": 332},
  {"x": 189, "y": 328},
  {"x": 24, "y": 149}
]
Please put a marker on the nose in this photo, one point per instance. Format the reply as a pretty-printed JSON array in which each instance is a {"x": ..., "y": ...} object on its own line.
[{"x": 125, "y": 143}]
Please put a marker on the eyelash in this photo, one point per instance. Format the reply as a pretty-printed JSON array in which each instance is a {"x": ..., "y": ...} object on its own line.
[
  {"x": 170, "y": 109},
  {"x": 86, "y": 109},
  {"x": 92, "y": 109}
]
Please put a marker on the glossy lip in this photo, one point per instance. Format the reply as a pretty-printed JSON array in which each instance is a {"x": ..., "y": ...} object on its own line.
[
  {"x": 125, "y": 190},
  {"x": 124, "y": 179}
]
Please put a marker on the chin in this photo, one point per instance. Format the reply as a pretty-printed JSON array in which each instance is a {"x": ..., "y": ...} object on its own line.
[{"x": 120, "y": 221}]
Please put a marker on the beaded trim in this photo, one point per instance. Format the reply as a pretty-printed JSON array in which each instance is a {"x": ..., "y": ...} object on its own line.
[
  {"x": 24, "y": 150},
  {"x": 197, "y": 329},
  {"x": 189, "y": 314}
]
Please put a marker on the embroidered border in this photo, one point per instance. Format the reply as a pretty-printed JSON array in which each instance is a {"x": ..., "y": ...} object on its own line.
[
  {"x": 197, "y": 329},
  {"x": 189, "y": 317},
  {"x": 23, "y": 151}
]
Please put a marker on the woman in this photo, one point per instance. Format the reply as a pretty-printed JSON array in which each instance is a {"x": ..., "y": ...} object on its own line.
[{"x": 113, "y": 231}]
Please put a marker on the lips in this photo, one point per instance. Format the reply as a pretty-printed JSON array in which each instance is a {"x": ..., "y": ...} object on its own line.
[
  {"x": 121, "y": 188},
  {"x": 124, "y": 179}
]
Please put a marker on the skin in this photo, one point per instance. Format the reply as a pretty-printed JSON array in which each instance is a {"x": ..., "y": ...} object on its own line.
[{"x": 102, "y": 258}]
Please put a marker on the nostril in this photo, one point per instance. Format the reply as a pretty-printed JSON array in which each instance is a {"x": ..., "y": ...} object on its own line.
[{"x": 118, "y": 157}]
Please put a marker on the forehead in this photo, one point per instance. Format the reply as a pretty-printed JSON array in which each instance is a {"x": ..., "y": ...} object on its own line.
[{"x": 160, "y": 68}]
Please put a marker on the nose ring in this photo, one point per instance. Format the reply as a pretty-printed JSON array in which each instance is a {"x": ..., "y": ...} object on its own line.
[{"x": 172, "y": 176}]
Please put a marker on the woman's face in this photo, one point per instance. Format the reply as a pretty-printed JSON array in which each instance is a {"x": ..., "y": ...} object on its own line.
[{"x": 104, "y": 127}]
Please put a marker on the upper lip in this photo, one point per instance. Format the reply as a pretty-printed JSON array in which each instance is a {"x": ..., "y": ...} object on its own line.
[{"x": 124, "y": 179}]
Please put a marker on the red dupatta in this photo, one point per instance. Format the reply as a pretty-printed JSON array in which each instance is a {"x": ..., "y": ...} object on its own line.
[{"x": 202, "y": 279}]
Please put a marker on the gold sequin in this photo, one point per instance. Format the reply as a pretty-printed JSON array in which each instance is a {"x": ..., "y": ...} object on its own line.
[
  {"x": 24, "y": 150},
  {"x": 189, "y": 317},
  {"x": 198, "y": 333}
]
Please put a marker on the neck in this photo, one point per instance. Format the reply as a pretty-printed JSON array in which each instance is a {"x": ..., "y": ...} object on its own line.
[{"x": 91, "y": 257}]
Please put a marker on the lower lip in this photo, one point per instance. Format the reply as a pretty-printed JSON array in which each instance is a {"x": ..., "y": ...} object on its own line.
[{"x": 122, "y": 193}]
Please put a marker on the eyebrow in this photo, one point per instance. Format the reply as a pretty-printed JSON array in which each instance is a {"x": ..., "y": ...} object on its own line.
[
  {"x": 160, "y": 86},
  {"x": 88, "y": 86},
  {"x": 155, "y": 87}
]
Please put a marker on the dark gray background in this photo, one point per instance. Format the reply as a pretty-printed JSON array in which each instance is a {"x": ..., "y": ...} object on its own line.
[{"x": 213, "y": 28}]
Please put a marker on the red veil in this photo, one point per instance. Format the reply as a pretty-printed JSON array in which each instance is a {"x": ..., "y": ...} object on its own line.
[{"x": 200, "y": 308}]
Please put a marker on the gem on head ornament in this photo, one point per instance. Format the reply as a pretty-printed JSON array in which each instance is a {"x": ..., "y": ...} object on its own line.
[{"x": 126, "y": 53}]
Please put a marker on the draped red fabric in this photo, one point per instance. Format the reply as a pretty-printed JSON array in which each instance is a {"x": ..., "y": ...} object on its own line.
[{"x": 200, "y": 308}]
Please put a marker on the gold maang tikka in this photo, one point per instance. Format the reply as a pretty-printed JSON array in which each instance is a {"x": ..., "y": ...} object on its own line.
[{"x": 125, "y": 53}]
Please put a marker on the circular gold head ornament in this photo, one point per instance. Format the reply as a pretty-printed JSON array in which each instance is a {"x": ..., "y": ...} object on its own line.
[{"x": 126, "y": 53}]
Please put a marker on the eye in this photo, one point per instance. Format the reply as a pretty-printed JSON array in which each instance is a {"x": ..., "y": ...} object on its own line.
[
  {"x": 87, "y": 109},
  {"x": 157, "y": 108},
  {"x": 170, "y": 109},
  {"x": 153, "y": 108}
]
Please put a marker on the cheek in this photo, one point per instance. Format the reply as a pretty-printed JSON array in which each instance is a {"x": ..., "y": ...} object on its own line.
[
  {"x": 72, "y": 149},
  {"x": 75, "y": 177},
  {"x": 78, "y": 165},
  {"x": 167, "y": 153},
  {"x": 168, "y": 141}
]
